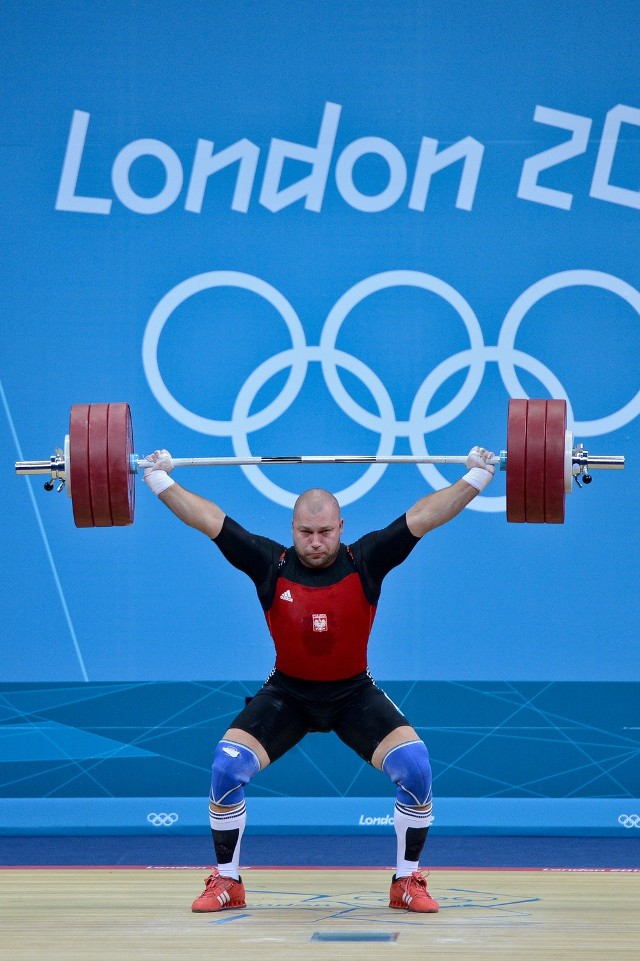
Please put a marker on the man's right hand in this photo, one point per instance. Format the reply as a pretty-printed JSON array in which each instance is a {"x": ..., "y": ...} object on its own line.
[
  {"x": 157, "y": 477},
  {"x": 194, "y": 510},
  {"x": 161, "y": 459}
]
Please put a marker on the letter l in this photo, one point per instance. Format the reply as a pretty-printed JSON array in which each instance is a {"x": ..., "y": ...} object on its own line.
[{"x": 67, "y": 199}]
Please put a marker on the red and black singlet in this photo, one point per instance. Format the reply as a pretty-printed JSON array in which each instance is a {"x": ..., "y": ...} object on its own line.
[{"x": 320, "y": 619}]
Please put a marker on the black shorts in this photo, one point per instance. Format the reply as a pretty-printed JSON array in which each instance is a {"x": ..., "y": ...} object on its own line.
[{"x": 286, "y": 708}]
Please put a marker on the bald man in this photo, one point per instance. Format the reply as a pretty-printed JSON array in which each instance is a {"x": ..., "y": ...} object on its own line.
[{"x": 319, "y": 598}]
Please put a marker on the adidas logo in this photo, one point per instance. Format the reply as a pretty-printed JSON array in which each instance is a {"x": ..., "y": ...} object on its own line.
[{"x": 286, "y": 596}]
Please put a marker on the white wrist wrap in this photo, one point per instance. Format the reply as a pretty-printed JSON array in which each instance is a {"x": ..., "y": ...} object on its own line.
[
  {"x": 157, "y": 481},
  {"x": 478, "y": 477}
]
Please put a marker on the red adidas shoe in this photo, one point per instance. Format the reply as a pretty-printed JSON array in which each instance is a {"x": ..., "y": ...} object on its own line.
[
  {"x": 220, "y": 893},
  {"x": 411, "y": 894}
]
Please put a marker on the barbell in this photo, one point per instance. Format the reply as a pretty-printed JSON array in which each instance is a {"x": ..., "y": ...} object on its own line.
[{"x": 98, "y": 465}]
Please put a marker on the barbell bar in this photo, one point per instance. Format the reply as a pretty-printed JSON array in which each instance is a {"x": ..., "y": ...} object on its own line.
[{"x": 98, "y": 466}]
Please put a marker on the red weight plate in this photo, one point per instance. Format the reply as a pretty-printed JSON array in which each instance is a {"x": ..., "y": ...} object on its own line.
[
  {"x": 554, "y": 492},
  {"x": 535, "y": 461},
  {"x": 122, "y": 483},
  {"x": 516, "y": 460},
  {"x": 99, "y": 464},
  {"x": 79, "y": 465}
]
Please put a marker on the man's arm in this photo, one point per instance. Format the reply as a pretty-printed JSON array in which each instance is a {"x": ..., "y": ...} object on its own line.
[
  {"x": 196, "y": 511},
  {"x": 436, "y": 509}
]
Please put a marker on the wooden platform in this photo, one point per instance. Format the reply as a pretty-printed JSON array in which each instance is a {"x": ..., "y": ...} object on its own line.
[{"x": 118, "y": 914}]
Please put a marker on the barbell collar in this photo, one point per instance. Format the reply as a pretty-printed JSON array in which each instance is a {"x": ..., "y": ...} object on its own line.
[
  {"x": 55, "y": 466},
  {"x": 583, "y": 460}
]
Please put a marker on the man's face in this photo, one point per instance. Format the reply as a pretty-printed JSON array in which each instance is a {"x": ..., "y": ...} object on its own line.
[{"x": 316, "y": 535}]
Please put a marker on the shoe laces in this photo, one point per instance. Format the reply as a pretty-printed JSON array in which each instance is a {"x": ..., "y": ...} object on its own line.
[
  {"x": 215, "y": 880},
  {"x": 416, "y": 878}
]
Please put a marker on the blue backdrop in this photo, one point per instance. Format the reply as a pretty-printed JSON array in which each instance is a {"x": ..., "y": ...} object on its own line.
[{"x": 320, "y": 228}]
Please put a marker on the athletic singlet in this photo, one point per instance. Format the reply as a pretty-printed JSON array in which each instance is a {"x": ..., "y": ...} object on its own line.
[{"x": 319, "y": 619}]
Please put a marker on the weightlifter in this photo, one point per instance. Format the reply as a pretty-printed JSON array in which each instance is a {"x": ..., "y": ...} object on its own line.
[{"x": 319, "y": 598}]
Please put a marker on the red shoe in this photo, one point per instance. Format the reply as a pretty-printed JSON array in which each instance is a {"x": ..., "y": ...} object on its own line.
[
  {"x": 411, "y": 894},
  {"x": 220, "y": 893}
]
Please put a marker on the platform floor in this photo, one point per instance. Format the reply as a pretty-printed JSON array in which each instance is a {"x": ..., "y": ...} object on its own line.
[{"x": 111, "y": 914}]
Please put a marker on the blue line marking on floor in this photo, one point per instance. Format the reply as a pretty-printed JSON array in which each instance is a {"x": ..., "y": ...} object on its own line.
[
  {"x": 354, "y": 936},
  {"x": 229, "y": 917}
]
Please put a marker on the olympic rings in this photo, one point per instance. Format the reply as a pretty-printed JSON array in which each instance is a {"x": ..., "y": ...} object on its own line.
[
  {"x": 421, "y": 421},
  {"x": 162, "y": 820},
  {"x": 629, "y": 820}
]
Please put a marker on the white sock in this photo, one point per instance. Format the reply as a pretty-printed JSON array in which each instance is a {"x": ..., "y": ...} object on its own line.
[
  {"x": 227, "y": 828},
  {"x": 411, "y": 825}
]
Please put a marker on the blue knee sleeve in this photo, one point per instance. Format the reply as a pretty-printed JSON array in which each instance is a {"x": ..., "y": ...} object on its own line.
[
  {"x": 233, "y": 766},
  {"x": 408, "y": 766}
]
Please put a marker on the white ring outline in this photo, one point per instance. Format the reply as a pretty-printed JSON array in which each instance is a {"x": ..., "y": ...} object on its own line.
[
  {"x": 518, "y": 311},
  {"x": 278, "y": 362},
  {"x": 384, "y": 281},
  {"x": 438, "y": 376},
  {"x": 163, "y": 311}
]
